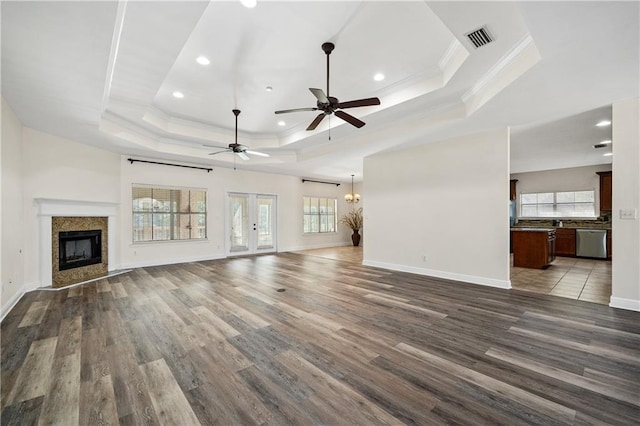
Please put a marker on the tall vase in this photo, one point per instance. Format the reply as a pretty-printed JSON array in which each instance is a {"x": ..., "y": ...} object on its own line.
[{"x": 355, "y": 238}]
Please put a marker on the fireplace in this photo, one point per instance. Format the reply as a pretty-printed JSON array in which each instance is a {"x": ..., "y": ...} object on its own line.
[{"x": 79, "y": 248}]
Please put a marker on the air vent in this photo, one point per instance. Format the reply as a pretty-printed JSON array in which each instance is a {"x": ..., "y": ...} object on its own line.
[
  {"x": 600, "y": 145},
  {"x": 480, "y": 37}
]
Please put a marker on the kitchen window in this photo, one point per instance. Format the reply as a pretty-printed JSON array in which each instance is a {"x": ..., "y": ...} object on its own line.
[
  {"x": 319, "y": 214},
  {"x": 164, "y": 214},
  {"x": 562, "y": 204}
]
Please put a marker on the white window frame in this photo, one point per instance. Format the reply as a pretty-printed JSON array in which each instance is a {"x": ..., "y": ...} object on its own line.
[
  {"x": 317, "y": 216},
  {"x": 555, "y": 205},
  {"x": 175, "y": 214}
]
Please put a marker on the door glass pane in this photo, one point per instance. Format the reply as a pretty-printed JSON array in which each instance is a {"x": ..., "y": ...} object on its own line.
[
  {"x": 265, "y": 222},
  {"x": 239, "y": 205}
]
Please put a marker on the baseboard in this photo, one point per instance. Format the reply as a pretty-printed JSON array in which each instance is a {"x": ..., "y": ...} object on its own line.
[
  {"x": 170, "y": 261},
  {"x": 6, "y": 308},
  {"x": 620, "y": 303},
  {"x": 490, "y": 282},
  {"x": 315, "y": 246}
]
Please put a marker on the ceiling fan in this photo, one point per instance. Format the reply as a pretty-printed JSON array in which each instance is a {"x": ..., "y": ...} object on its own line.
[
  {"x": 331, "y": 105},
  {"x": 235, "y": 147}
]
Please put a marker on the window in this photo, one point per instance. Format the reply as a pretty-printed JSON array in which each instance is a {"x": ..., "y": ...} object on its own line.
[
  {"x": 558, "y": 204},
  {"x": 319, "y": 214},
  {"x": 161, "y": 214}
]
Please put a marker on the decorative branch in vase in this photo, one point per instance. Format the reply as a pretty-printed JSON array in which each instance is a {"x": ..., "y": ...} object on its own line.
[{"x": 354, "y": 221}]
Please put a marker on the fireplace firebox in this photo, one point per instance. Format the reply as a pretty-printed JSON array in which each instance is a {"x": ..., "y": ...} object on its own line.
[{"x": 79, "y": 248}]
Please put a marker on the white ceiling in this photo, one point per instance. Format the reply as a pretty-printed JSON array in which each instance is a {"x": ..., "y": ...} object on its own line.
[{"x": 103, "y": 73}]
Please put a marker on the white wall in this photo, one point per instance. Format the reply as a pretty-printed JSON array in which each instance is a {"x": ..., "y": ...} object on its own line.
[
  {"x": 288, "y": 189},
  {"x": 12, "y": 223},
  {"x": 447, "y": 201},
  {"x": 62, "y": 169},
  {"x": 57, "y": 168},
  {"x": 571, "y": 179},
  {"x": 626, "y": 196}
]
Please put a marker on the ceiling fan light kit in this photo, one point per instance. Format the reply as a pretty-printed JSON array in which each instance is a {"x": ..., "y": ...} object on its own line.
[{"x": 330, "y": 104}]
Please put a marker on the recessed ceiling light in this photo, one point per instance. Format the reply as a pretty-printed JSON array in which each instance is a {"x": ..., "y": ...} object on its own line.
[
  {"x": 178, "y": 95},
  {"x": 203, "y": 60},
  {"x": 268, "y": 88},
  {"x": 608, "y": 154},
  {"x": 281, "y": 123},
  {"x": 249, "y": 3},
  {"x": 605, "y": 142},
  {"x": 604, "y": 123},
  {"x": 378, "y": 77}
]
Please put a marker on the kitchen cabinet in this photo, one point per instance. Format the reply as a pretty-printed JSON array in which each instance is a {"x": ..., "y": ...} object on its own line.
[
  {"x": 609, "y": 244},
  {"x": 533, "y": 247},
  {"x": 566, "y": 242},
  {"x": 512, "y": 189},
  {"x": 606, "y": 182}
]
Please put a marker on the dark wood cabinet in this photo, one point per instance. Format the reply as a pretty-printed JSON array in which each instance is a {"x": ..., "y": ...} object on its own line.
[
  {"x": 608, "y": 243},
  {"x": 512, "y": 189},
  {"x": 566, "y": 242},
  {"x": 533, "y": 248},
  {"x": 606, "y": 183}
]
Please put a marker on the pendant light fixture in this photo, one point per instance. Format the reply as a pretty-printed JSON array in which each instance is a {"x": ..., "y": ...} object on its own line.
[{"x": 352, "y": 197}]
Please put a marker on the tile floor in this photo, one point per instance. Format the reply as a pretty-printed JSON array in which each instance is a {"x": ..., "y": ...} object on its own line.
[{"x": 581, "y": 279}]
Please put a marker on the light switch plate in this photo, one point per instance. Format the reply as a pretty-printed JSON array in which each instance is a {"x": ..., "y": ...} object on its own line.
[{"x": 628, "y": 214}]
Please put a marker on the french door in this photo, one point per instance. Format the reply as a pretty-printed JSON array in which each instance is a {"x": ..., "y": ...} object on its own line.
[{"x": 251, "y": 227}]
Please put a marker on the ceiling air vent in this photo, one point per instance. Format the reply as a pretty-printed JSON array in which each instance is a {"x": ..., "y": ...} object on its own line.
[
  {"x": 600, "y": 145},
  {"x": 480, "y": 37}
]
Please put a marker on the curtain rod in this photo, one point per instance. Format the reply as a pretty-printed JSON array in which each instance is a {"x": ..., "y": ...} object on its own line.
[
  {"x": 131, "y": 160},
  {"x": 319, "y": 181}
]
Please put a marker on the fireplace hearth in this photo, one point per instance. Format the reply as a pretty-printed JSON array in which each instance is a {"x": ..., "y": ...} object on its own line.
[{"x": 79, "y": 248}]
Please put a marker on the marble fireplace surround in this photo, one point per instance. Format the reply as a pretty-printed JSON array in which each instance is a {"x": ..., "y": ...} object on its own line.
[{"x": 48, "y": 208}]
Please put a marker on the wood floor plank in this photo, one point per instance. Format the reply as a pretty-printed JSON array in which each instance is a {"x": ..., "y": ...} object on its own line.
[
  {"x": 99, "y": 402},
  {"x": 168, "y": 400},
  {"x": 62, "y": 401},
  {"x": 35, "y": 374},
  {"x": 35, "y": 313},
  {"x": 70, "y": 338}
]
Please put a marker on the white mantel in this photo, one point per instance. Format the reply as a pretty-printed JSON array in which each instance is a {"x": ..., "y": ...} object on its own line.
[{"x": 49, "y": 207}]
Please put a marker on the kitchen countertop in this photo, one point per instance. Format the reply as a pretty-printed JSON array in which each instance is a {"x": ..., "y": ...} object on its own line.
[
  {"x": 517, "y": 228},
  {"x": 527, "y": 229}
]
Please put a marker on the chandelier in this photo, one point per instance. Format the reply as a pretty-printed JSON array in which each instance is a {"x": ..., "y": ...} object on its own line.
[{"x": 352, "y": 197}]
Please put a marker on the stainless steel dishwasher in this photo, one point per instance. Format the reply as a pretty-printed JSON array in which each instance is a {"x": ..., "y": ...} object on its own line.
[{"x": 591, "y": 243}]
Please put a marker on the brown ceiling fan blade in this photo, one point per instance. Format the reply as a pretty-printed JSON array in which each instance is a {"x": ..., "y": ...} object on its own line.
[
  {"x": 315, "y": 122},
  {"x": 219, "y": 152},
  {"x": 319, "y": 94},
  {"x": 359, "y": 103},
  {"x": 284, "y": 111},
  {"x": 350, "y": 119}
]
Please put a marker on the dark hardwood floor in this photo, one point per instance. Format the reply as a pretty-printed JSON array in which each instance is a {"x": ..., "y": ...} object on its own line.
[{"x": 218, "y": 343}]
